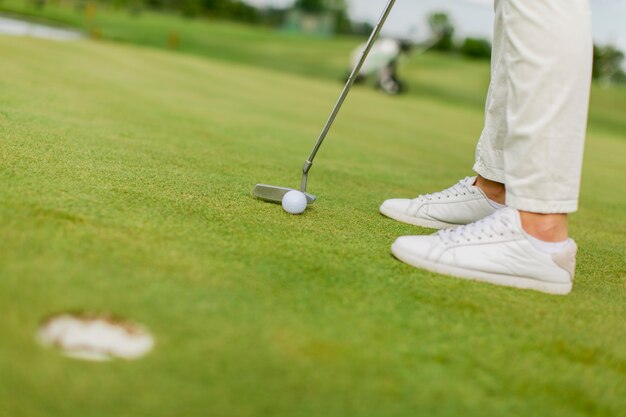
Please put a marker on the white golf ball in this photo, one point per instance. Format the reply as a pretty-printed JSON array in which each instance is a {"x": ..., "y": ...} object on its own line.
[{"x": 294, "y": 202}]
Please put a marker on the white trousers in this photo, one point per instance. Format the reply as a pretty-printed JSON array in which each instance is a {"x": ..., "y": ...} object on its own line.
[{"x": 536, "y": 112}]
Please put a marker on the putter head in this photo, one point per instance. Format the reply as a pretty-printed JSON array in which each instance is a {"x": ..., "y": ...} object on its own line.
[{"x": 275, "y": 194}]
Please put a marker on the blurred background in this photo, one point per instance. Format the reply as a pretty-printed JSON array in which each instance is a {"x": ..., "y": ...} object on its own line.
[{"x": 310, "y": 37}]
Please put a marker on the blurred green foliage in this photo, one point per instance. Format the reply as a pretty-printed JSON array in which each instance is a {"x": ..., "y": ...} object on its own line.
[
  {"x": 229, "y": 9},
  {"x": 237, "y": 10},
  {"x": 476, "y": 48},
  {"x": 607, "y": 64},
  {"x": 442, "y": 30},
  {"x": 312, "y": 6},
  {"x": 442, "y": 34}
]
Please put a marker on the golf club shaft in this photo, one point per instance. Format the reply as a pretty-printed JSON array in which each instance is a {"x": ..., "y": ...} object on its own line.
[{"x": 346, "y": 89}]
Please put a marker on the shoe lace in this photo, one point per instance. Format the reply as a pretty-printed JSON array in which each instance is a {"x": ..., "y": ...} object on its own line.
[
  {"x": 489, "y": 227},
  {"x": 460, "y": 188}
]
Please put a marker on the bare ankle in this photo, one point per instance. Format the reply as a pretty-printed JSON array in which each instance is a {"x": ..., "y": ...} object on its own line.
[
  {"x": 495, "y": 191},
  {"x": 546, "y": 227}
]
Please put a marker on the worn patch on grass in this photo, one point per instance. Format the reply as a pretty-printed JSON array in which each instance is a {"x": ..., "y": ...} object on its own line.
[{"x": 95, "y": 337}]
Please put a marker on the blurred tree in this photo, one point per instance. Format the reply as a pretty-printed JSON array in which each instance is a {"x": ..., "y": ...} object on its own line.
[
  {"x": 362, "y": 28},
  {"x": 241, "y": 11},
  {"x": 229, "y": 9},
  {"x": 442, "y": 30},
  {"x": 607, "y": 64},
  {"x": 343, "y": 24},
  {"x": 476, "y": 48},
  {"x": 311, "y": 6}
]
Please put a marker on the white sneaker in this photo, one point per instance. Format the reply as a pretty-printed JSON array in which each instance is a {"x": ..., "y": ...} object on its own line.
[
  {"x": 462, "y": 203},
  {"x": 494, "y": 250}
]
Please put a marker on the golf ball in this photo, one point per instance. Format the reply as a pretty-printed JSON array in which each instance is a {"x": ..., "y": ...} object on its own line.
[{"x": 294, "y": 202}]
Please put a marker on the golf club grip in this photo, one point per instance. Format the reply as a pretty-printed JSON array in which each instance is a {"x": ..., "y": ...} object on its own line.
[{"x": 348, "y": 86}]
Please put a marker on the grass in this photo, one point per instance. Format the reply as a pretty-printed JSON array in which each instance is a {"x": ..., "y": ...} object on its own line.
[
  {"x": 126, "y": 175},
  {"x": 205, "y": 37},
  {"x": 454, "y": 80}
]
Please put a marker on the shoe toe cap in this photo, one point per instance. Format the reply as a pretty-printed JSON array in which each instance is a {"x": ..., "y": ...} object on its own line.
[
  {"x": 397, "y": 205},
  {"x": 414, "y": 246}
]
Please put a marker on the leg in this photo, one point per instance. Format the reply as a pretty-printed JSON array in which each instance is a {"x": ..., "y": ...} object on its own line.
[
  {"x": 472, "y": 198},
  {"x": 494, "y": 190},
  {"x": 546, "y": 58},
  {"x": 548, "y": 61},
  {"x": 489, "y": 152}
]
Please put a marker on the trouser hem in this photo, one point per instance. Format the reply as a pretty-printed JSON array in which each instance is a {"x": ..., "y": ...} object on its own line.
[
  {"x": 533, "y": 205},
  {"x": 489, "y": 173}
]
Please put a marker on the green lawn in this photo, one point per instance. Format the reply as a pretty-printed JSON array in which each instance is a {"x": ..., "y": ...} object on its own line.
[
  {"x": 125, "y": 178},
  {"x": 441, "y": 78},
  {"x": 206, "y": 37}
]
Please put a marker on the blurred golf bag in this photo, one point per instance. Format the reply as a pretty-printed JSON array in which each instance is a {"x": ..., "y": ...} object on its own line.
[{"x": 382, "y": 64}]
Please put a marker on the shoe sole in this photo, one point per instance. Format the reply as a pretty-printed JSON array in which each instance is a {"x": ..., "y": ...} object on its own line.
[
  {"x": 416, "y": 221},
  {"x": 488, "y": 277}
]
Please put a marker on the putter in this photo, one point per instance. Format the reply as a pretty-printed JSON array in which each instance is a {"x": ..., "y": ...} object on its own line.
[{"x": 275, "y": 194}]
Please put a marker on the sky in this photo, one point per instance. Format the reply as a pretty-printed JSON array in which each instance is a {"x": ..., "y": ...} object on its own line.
[{"x": 471, "y": 17}]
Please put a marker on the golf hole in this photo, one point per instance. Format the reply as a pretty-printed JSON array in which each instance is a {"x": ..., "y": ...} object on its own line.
[{"x": 95, "y": 337}]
